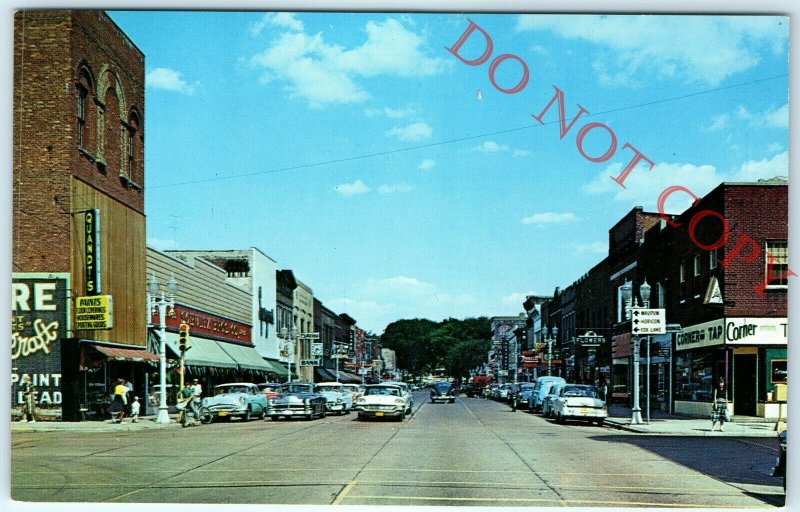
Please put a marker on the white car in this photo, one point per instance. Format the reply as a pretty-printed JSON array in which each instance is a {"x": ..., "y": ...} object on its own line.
[
  {"x": 579, "y": 402},
  {"x": 384, "y": 400},
  {"x": 337, "y": 398},
  {"x": 355, "y": 390},
  {"x": 549, "y": 400}
]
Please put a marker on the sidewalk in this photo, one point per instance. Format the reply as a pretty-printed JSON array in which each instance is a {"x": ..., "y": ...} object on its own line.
[
  {"x": 144, "y": 423},
  {"x": 672, "y": 425}
]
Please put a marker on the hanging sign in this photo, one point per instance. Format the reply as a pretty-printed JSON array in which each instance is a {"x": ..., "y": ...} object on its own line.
[{"x": 91, "y": 261}]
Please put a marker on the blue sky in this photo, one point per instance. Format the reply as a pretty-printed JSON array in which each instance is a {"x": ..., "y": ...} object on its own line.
[{"x": 397, "y": 182}]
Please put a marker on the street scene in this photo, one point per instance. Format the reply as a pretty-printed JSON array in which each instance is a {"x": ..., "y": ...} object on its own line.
[
  {"x": 474, "y": 452},
  {"x": 400, "y": 259}
]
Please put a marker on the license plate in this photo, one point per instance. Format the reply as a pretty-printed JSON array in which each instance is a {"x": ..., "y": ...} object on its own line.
[
  {"x": 584, "y": 411},
  {"x": 379, "y": 413},
  {"x": 223, "y": 413}
]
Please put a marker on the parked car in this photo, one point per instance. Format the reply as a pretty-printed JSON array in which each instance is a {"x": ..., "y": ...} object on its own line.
[
  {"x": 356, "y": 390},
  {"x": 504, "y": 391},
  {"x": 524, "y": 391},
  {"x": 549, "y": 400},
  {"x": 242, "y": 399},
  {"x": 779, "y": 471},
  {"x": 579, "y": 401},
  {"x": 269, "y": 389},
  {"x": 384, "y": 400},
  {"x": 443, "y": 391},
  {"x": 337, "y": 399},
  {"x": 540, "y": 390},
  {"x": 469, "y": 390},
  {"x": 297, "y": 399},
  {"x": 489, "y": 391}
]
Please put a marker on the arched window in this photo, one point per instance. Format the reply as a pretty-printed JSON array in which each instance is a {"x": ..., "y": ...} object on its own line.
[
  {"x": 86, "y": 112},
  {"x": 133, "y": 151}
]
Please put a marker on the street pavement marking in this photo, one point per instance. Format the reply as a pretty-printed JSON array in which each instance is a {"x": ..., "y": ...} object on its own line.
[
  {"x": 342, "y": 495},
  {"x": 562, "y": 502}
]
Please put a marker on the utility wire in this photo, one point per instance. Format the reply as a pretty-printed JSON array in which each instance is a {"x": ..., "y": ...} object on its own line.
[{"x": 462, "y": 139}]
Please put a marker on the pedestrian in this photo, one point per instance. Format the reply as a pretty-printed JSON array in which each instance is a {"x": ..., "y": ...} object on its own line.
[
  {"x": 27, "y": 389},
  {"x": 135, "y": 409},
  {"x": 719, "y": 408},
  {"x": 118, "y": 401}
]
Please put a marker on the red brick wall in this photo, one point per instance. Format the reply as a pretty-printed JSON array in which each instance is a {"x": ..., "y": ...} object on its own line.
[{"x": 50, "y": 46}]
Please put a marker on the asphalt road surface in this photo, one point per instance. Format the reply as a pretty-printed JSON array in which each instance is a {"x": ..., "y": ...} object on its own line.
[{"x": 474, "y": 452}]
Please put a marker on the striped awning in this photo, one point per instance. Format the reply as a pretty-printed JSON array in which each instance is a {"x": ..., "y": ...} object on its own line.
[{"x": 138, "y": 355}]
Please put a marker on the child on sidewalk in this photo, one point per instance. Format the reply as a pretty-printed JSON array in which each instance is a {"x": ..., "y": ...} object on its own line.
[{"x": 135, "y": 409}]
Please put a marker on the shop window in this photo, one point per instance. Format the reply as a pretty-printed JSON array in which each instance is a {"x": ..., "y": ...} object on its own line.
[
  {"x": 82, "y": 94},
  {"x": 777, "y": 267},
  {"x": 693, "y": 376}
]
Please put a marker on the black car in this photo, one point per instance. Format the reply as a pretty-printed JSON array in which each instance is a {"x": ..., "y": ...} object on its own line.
[
  {"x": 779, "y": 471},
  {"x": 443, "y": 391}
]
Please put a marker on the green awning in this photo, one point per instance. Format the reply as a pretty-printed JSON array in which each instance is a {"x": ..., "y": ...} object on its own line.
[
  {"x": 203, "y": 352},
  {"x": 246, "y": 357},
  {"x": 277, "y": 368}
]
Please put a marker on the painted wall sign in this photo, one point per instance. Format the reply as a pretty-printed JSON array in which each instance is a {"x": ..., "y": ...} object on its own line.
[
  {"x": 94, "y": 312},
  {"x": 209, "y": 325},
  {"x": 91, "y": 224},
  {"x": 39, "y": 320}
]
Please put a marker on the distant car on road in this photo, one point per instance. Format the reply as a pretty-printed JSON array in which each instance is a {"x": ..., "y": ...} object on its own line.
[
  {"x": 381, "y": 400},
  {"x": 241, "y": 399},
  {"x": 337, "y": 399},
  {"x": 524, "y": 391},
  {"x": 579, "y": 402},
  {"x": 443, "y": 391},
  {"x": 297, "y": 399},
  {"x": 541, "y": 388}
]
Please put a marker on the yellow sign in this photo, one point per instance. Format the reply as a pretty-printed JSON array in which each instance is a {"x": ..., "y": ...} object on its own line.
[{"x": 93, "y": 313}]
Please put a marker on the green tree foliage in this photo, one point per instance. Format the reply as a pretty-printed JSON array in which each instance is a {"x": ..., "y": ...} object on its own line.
[{"x": 421, "y": 345}]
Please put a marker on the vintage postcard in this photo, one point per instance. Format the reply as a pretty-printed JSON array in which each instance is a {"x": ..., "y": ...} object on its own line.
[{"x": 399, "y": 259}]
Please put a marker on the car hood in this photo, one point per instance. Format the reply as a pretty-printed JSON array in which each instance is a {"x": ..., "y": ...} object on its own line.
[
  {"x": 233, "y": 398},
  {"x": 332, "y": 395},
  {"x": 380, "y": 399}
]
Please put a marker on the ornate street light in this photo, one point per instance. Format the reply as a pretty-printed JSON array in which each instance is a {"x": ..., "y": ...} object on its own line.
[{"x": 157, "y": 300}]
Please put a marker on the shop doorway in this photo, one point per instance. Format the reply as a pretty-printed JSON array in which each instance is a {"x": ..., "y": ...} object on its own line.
[{"x": 745, "y": 384}]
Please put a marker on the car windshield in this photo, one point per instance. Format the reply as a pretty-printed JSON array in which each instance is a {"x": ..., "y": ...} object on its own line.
[
  {"x": 223, "y": 390},
  {"x": 389, "y": 391},
  {"x": 583, "y": 391},
  {"x": 524, "y": 387},
  {"x": 328, "y": 387},
  {"x": 353, "y": 388},
  {"x": 297, "y": 388},
  {"x": 442, "y": 387}
]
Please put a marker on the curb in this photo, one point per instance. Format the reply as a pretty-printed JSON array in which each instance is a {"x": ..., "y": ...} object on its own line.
[{"x": 638, "y": 430}]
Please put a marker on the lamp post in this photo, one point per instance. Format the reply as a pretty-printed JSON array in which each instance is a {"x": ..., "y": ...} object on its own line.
[
  {"x": 644, "y": 301},
  {"x": 552, "y": 335},
  {"x": 288, "y": 339},
  {"x": 156, "y": 299}
]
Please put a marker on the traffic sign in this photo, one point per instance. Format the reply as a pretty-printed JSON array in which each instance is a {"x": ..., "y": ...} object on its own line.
[{"x": 648, "y": 321}]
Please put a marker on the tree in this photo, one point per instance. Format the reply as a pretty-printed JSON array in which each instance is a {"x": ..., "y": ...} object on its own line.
[
  {"x": 409, "y": 340},
  {"x": 466, "y": 355}
]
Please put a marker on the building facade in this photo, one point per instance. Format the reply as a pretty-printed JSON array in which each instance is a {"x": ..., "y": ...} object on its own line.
[
  {"x": 303, "y": 303},
  {"x": 78, "y": 171}
]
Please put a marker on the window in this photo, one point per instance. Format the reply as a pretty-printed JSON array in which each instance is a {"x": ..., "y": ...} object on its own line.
[
  {"x": 712, "y": 259},
  {"x": 131, "y": 136},
  {"x": 82, "y": 93},
  {"x": 777, "y": 263},
  {"x": 682, "y": 272},
  {"x": 696, "y": 265}
]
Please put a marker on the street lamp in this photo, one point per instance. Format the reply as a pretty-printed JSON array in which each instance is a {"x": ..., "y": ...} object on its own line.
[
  {"x": 643, "y": 301},
  {"x": 288, "y": 340},
  {"x": 156, "y": 299},
  {"x": 551, "y": 337}
]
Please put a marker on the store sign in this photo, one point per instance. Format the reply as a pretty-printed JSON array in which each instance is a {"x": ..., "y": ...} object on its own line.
[
  {"x": 734, "y": 331},
  {"x": 590, "y": 339},
  {"x": 713, "y": 293},
  {"x": 91, "y": 261},
  {"x": 310, "y": 362},
  {"x": 208, "y": 325},
  {"x": 316, "y": 349},
  {"x": 39, "y": 320},
  {"x": 93, "y": 313}
]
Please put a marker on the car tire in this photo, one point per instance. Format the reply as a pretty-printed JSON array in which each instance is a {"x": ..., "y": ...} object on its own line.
[
  {"x": 559, "y": 419},
  {"x": 248, "y": 415},
  {"x": 205, "y": 416},
  {"x": 274, "y": 418},
  {"x": 263, "y": 414},
  {"x": 360, "y": 417},
  {"x": 600, "y": 422}
]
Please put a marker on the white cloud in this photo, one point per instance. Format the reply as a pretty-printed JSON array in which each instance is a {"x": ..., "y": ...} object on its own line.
[
  {"x": 391, "y": 189},
  {"x": 591, "y": 247},
  {"x": 352, "y": 189},
  {"x": 540, "y": 219},
  {"x": 168, "y": 80},
  {"x": 643, "y": 188},
  {"x": 325, "y": 73},
  {"x": 516, "y": 299},
  {"x": 162, "y": 245},
  {"x": 719, "y": 122},
  {"x": 522, "y": 152},
  {"x": 719, "y": 46},
  {"x": 276, "y": 19},
  {"x": 777, "y": 118},
  {"x": 427, "y": 164},
  {"x": 754, "y": 170},
  {"x": 391, "y": 113},
  {"x": 416, "y": 131},
  {"x": 489, "y": 146},
  {"x": 774, "y": 148},
  {"x": 398, "y": 286}
]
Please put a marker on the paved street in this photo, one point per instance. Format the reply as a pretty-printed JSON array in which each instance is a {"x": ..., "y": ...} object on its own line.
[{"x": 473, "y": 452}]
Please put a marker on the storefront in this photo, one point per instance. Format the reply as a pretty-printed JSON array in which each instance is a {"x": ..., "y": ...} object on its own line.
[{"x": 749, "y": 353}]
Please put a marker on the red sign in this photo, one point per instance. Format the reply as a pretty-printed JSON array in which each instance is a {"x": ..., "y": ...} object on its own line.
[{"x": 206, "y": 325}]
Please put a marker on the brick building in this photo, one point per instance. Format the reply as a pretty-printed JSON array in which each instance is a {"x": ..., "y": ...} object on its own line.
[
  {"x": 731, "y": 304},
  {"x": 78, "y": 177}
]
